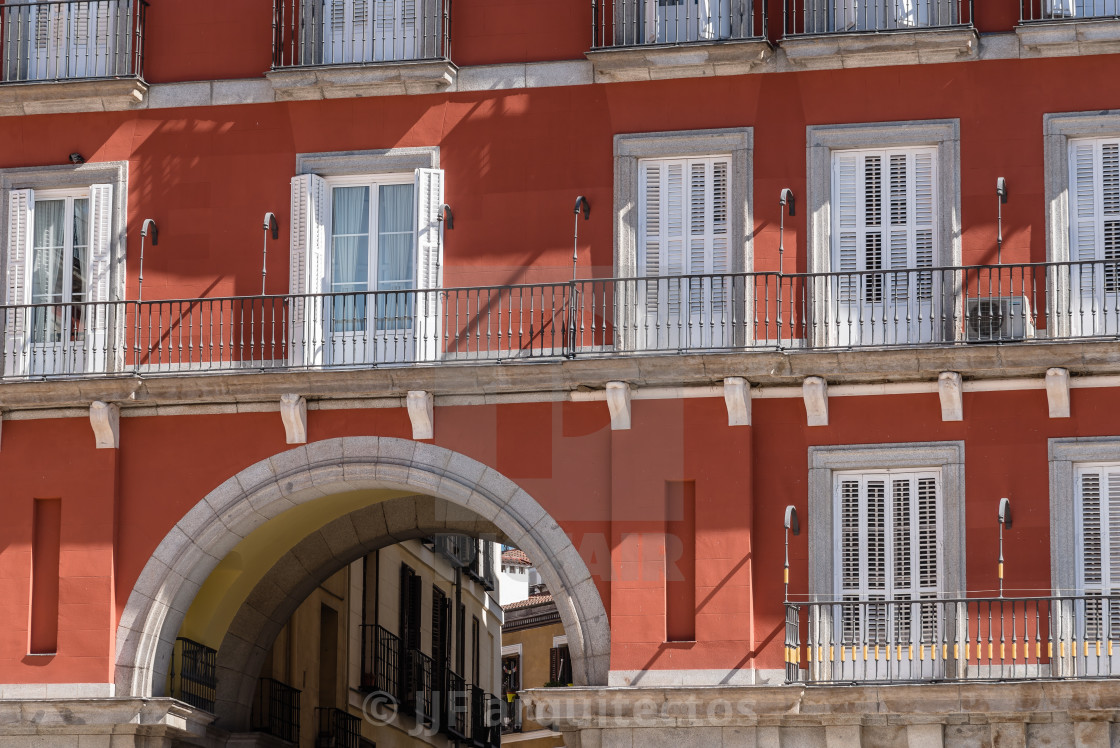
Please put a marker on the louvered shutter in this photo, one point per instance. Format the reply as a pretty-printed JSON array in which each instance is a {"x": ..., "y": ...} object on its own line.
[
  {"x": 1099, "y": 541},
  {"x": 1083, "y": 223},
  {"x": 100, "y": 250},
  {"x": 429, "y": 249},
  {"x": 846, "y": 257},
  {"x": 20, "y": 206},
  {"x": 308, "y": 268},
  {"x": 1095, "y": 219},
  {"x": 554, "y": 665}
]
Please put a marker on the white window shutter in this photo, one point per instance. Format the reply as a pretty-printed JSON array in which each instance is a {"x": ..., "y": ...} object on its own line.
[
  {"x": 1084, "y": 213},
  {"x": 429, "y": 249},
  {"x": 847, "y": 225},
  {"x": 20, "y": 205},
  {"x": 650, "y": 228},
  {"x": 308, "y": 268},
  {"x": 100, "y": 249}
]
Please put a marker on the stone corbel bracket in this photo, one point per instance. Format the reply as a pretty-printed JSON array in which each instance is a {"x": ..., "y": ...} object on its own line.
[
  {"x": 737, "y": 396},
  {"x": 421, "y": 412},
  {"x": 105, "y": 419},
  {"x": 618, "y": 402},
  {"x": 293, "y": 412},
  {"x": 815, "y": 392},
  {"x": 950, "y": 391},
  {"x": 1057, "y": 392}
]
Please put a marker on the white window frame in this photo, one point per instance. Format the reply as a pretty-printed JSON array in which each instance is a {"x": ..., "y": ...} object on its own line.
[
  {"x": 70, "y": 180},
  {"x": 629, "y": 151},
  {"x": 823, "y": 140}
]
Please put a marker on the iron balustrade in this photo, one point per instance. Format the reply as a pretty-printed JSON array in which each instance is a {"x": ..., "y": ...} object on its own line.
[
  {"x": 632, "y": 23},
  {"x": 586, "y": 318},
  {"x": 72, "y": 40},
  {"x": 804, "y": 17},
  {"x": 952, "y": 639},
  {"x": 336, "y": 728},
  {"x": 1067, "y": 10},
  {"x": 194, "y": 673},
  {"x": 419, "y": 686},
  {"x": 485, "y": 713},
  {"x": 456, "y": 706},
  {"x": 358, "y": 32},
  {"x": 381, "y": 661},
  {"x": 276, "y": 710}
]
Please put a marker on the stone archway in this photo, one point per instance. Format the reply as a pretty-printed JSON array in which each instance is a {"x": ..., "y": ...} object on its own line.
[{"x": 188, "y": 554}]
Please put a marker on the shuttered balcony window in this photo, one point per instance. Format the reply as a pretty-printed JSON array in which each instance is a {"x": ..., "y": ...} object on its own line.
[
  {"x": 1094, "y": 204},
  {"x": 1097, "y": 499}
]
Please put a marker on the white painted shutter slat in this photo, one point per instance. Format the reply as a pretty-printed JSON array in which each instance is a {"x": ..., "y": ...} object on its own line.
[
  {"x": 1111, "y": 587},
  {"x": 847, "y": 221},
  {"x": 851, "y": 577},
  {"x": 1084, "y": 249},
  {"x": 674, "y": 223},
  {"x": 721, "y": 236},
  {"x": 429, "y": 245},
  {"x": 872, "y": 228},
  {"x": 307, "y": 269},
  {"x": 923, "y": 214},
  {"x": 20, "y": 205},
  {"x": 100, "y": 249},
  {"x": 650, "y": 227}
]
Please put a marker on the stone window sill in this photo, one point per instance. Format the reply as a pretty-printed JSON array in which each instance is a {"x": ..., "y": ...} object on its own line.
[
  {"x": 376, "y": 79},
  {"x": 908, "y": 47},
  {"x": 1091, "y": 36},
  {"x": 59, "y": 97},
  {"x": 700, "y": 59}
]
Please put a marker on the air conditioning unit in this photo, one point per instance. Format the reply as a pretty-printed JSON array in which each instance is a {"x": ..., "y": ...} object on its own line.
[{"x": 998, "y": 318}]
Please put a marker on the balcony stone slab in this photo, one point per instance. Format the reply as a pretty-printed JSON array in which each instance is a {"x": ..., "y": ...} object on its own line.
[
  {"x": 64, "y": 97},
  {"x": 374, "y": 79},
  {"x": 699, "y": 60},
  {"x": 907, "y": 47},
  {"x": 81, "y": 721},
  {"x": 1068, "y": 38}
]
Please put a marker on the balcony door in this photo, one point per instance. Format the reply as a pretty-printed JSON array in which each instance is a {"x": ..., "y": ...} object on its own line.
[
  {"x": 889, "y": 551},
  {"x": 357, "y": 31},
  {"x": 1094, "y": 204},
  {"x": 884, "y": 241},
  {"x": 1093, "y": 635},
  {"x": 74, "y": 39},
  {"x": 58, "y": 264},
  {"x": 365, "y": 269},
  {"x": 684, "y": 254},
  {"x": 1081, "y": 8},
  {"x": 676, "y": 21}
]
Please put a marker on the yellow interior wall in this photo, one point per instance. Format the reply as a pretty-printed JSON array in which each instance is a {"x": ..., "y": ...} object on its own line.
[{"x": 235, "y": 576}]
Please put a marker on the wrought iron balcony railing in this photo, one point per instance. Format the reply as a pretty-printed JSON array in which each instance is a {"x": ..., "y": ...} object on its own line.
[
  {"x": 633, "y": 23},
  {"x": 891, "y": 640},
  {"x": 194, "y": 673},
  {"x": 419, "y": 686},
  {"x": 71, "y": 40},
  {"x": 381, "y": 661},
  {"x": 337, "y": 729},
  {"x": 276, "y": 710},
  {"x": 855, "y": 16},
  {"x": 358, "y": 32},
  {"x": 456, "y": 707},
  {"x": 1067, "y": 10},
  {"x": 587, "y": 318}
]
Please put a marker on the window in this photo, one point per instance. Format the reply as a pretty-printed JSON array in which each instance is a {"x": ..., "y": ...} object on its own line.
[
  {"x": 476, "y": 653},
  {"x": 676, "y": 21},
  {"x": 682, "y": 205},
  {"x": 1081, "y": 8},
  {"x": 1097, "y": 512},
  {"x": 560, "y": 665},
  {"x": 886, "y": 526},
  {"x": 888, "y": 198},
  {"x": 366, "y": 250},
  {"x": 72, "y": 39},
  {"x": 441, "y": 629},
  {"x": 343, "y": 32},
  {"x": 878, "y": 15},
  {"x": 59, "y": 245},
  {"x": 511, "y": 673},
  {"x": 888, "y": 551},
  {"x": 884, "y": 219},
  {"x": 1094, "y": 178},
  {"x": 411, "y": 590}
]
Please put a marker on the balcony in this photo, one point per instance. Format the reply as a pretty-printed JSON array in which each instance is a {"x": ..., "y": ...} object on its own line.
[
  {"x": 650, "y": 39},
  {"x": 1054, "y": 28},
  {"x": 71, "y": 55},
  {"x": 864, "y": 641},
  {"x": 276, "y": 710},
  {"x": 194, "y": 674},
  {"x": 381, "y": 661},
  {"x": 601, "y": 318},
  {"x": 419, "y": 686},
  {"x": 861, "y": 33},
  {"x": 337, "y": 729},
  {"x": 345, "y": 48}
]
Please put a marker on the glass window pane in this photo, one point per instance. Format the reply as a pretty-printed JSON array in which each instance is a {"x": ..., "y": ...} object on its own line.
[
  {"x": 48, "y": 244},
  {"x": 396, "y": 238},
  {"x": 349, "y": 257}
]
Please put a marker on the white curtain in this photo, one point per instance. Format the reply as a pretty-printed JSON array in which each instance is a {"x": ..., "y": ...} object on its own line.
[
  {"x": 396, "y": 252},
  {"x": 48, "y": 245},
  {"x": 349, "y": 256}
]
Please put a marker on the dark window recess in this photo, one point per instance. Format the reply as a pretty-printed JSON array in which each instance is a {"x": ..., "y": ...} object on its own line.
[
  {"x": 560, "y": 665},
  {"x": 194, "y": 674}
]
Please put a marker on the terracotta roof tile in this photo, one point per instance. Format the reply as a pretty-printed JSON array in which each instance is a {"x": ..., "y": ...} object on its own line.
[{"x": 530, "y": 602}]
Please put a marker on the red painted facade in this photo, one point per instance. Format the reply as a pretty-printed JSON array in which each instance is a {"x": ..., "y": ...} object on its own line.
[{"x": 515, "y": 160}]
